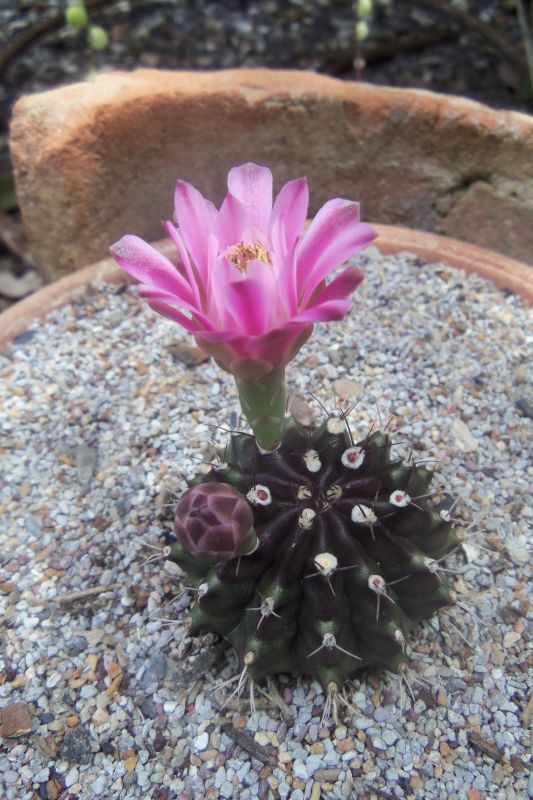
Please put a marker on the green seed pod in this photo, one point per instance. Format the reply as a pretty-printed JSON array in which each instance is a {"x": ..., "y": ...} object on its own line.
[
  {"x": 364, "y": 8},
  {"x": 76, "y": 16},
  {"x": 97, "y": 37},
  {"x": 361, "y": 30}
]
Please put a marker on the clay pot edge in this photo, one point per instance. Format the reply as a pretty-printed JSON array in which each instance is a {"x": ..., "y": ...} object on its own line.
[{"x": 504, "y": 272}]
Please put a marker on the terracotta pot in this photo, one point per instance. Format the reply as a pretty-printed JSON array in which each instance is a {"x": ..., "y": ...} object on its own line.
[
  {"x": 98, "y": 159},
  {"x": 502, "y": 271}
]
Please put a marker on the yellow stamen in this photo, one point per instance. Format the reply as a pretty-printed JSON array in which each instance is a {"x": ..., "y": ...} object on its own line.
[{"x": 242, "y": 254}]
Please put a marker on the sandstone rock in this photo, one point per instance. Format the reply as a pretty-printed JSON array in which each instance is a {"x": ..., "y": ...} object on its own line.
[
  {"x": 99, "y": 159},
  {"x": 300, "y": 409},
  {"x": 489, "y": 213},
  {"x": 346, "y": 389},
  {"x": 463, "y": 438},
  {"x": 15, "y": 720},
  {"x": 15, "y": 287}
]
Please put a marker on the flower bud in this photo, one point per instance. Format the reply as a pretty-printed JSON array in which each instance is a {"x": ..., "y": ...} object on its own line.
[{"x": 214, "y": 521}]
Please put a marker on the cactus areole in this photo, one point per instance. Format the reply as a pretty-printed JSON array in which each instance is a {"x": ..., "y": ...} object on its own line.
[{"x": 312, "y": 553}]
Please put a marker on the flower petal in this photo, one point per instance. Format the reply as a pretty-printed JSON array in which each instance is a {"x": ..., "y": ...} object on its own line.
[
  {"x": 146, "y": 264},
  {"x": 334, "y": 235},
  {"x": 251, "y": 357},
  {"x": 151, "y": 294},
  {"x": 340, "y": 287},
  {"x": 232, "y": 222},
  {"x": 286, "y": 227},
  {"x": 330, "y": 310},
  {"x": 248, "y": 304},
  {"x": 288, "y": 216},
  {"x": 196, "y": 218},
  {"x": 187, "y": 269},
  {"x": 176, "y": 316},
  {"x": 252, "y": 186}
]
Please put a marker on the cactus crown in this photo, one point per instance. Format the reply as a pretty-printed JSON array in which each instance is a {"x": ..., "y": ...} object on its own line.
[{"x": 348, "y": 554}]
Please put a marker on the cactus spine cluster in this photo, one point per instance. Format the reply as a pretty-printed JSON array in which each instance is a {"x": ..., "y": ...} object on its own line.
[{"x": 348, "y": 556}]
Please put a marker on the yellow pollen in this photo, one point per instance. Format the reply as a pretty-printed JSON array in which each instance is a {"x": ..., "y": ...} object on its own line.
[{"x": 242, "y": 254}]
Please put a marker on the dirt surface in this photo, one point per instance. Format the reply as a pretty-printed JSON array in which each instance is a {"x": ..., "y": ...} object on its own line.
[{"x": 442, "y": 54}]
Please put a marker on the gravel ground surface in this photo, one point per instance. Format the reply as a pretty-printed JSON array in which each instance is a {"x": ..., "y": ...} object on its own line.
[{"x": 101, "y": 419}]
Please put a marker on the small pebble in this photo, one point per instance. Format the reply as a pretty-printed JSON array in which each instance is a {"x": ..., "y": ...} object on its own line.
[
  {"x": 389, "y": 736},
  {"x": 200, "y": 742},
  {"x": 99, "y": 785}
]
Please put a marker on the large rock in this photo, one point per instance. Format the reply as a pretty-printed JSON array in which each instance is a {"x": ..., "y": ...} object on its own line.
[{"x": 96, "y": 160}]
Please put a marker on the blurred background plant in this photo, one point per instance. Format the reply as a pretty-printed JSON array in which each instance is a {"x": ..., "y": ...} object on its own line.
[
  {"x": 519, "y": 62},
  {"x": 482, "y": 49},
  {"x": 76, "y": 16}
]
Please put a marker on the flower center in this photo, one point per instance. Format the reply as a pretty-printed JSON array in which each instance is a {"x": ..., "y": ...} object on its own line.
[{"x": 242, "y": 254}]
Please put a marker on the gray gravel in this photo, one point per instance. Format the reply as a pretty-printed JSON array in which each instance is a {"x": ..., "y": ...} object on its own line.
[{"x": 100, "y": 423}]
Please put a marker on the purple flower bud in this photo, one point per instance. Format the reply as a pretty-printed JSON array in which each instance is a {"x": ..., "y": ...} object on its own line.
[{"x": 214, "y": 521}]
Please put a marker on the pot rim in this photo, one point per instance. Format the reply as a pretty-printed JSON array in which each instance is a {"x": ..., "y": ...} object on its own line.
[{"x": 504, "y": 272}]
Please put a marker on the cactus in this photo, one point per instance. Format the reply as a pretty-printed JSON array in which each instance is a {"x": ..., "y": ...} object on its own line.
[
  {"x": 311, "y": 553},
  {"x": 347, "y": 560}
]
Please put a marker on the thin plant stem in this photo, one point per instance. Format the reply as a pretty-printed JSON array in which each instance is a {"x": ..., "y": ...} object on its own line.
[
  {"x": 526, "y": 30},
  {"x": 358, "y": 61}
]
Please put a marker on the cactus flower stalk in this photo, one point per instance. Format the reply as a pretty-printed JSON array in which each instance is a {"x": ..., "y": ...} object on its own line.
[{"x": 249, "y": 283}]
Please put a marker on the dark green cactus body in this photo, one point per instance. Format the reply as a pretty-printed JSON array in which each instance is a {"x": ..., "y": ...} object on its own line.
[{"x": 347, "y": 558}]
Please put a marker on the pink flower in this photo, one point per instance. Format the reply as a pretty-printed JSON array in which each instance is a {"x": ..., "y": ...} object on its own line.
[{"x": 249, "y": 283}]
